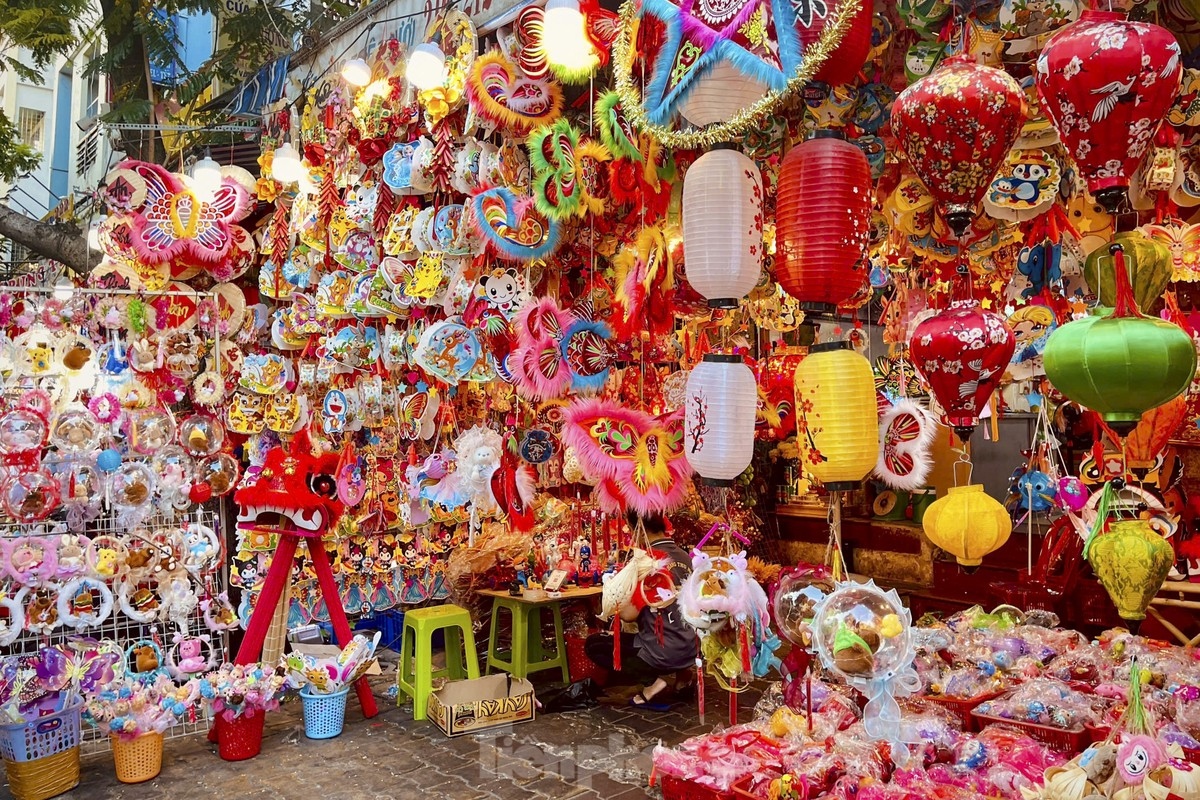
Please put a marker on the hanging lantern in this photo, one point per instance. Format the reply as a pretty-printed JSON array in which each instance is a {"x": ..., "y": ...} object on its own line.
[
  {"x": 1153, "y": 432},
  {"x": 962, "y": 353},
  {"x": 837, "y": 424},
  {"x": 1131, "y": 561},
  {"x": 955, "y": 127},
  {"x": 1106, "y": 84},
  {"x": 718, "y": 432},
  {"x": 1122, "y": 364},
  {"x": 1148, "y": 262},
  {"x": 777, "y": 379},
  {"x": 723, "y": 226},
  {"x": 823, "y": 221},
  {"x": 968, "y": 523}
]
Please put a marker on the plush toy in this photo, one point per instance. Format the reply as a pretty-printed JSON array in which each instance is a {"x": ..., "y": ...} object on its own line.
[{"x": 477, "y": 453}]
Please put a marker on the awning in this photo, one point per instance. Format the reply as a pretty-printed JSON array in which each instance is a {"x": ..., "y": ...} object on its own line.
[{"x": 264, "y": 87}]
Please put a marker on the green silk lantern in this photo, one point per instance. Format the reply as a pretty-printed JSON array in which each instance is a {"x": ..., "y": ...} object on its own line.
[
  {"x": 1131, "y": 561},
  {"x": 1122, "y": 364},
  {"x": 1149, "y": 265}
]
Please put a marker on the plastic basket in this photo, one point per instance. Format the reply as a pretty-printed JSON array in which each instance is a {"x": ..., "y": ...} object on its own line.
[
  {"x": 241, "y": 738},
  {"x": 1065, "y": 740},
  {"x": 42, "y": 737},
  {"x": 324, "y": 714},
  {"x": 390, "y": 625},
  {"x": 43, "y": 778},
  {"x": 138, "y": 760},
  {"x": 961, "y": 707},
  {"x": 674, "y": 788}
]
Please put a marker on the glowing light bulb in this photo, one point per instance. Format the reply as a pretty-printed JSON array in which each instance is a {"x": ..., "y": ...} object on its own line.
[
  {"x": 565, "y": 37},
  {"x": 286, "y": 166},
  {"x": 206, "y": 175},
  {"x": 426, "y": 66},
  {"x": 64, "y": 288},
  {"x": 356, "y": 72}
]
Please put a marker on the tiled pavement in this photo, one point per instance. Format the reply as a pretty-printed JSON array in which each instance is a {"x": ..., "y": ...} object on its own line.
[{"x": 598, "y": 754}]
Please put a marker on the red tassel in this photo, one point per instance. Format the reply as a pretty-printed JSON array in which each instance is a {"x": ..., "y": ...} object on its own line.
[
  {"x": 616, "y": 628},
  {"x": 745, "y": 636}
]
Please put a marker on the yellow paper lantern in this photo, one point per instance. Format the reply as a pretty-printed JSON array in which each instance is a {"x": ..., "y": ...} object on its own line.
[
  {"x": 967, "y": 523},
  {"x": 837, "y": 424}
]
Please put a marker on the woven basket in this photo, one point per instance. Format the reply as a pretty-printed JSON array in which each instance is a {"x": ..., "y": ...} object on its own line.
[
  {"x": 138, "y": 760},
  {"x": 43, "y": 778}
]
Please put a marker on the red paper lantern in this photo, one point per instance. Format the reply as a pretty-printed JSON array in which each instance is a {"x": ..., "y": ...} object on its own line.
[
  {"x": 822, "y": 221},
  {"x": 961, "y": 353},
  {"x": 955, "y": 126},
  {"x": 1106, "y": 83}
]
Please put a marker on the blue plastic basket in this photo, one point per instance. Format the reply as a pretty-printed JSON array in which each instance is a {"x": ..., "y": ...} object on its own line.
[
  {"x": 390, "y": 625},
  {"x": 324, "y": 714},
  {"x": 41, "y": 737}
]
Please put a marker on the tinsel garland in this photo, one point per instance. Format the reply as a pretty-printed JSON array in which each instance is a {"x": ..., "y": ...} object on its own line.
[{"x": 745, "y": 120}]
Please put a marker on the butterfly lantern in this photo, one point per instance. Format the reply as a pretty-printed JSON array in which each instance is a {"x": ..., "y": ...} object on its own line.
[{"x": 175, "y": 223}]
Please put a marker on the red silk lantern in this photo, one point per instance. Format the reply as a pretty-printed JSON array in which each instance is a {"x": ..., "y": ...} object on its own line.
[
  {"x": 955, "y": 126},
  {"x": 962, "y": 353},
  {"x": 822, "y": 221},
  {"x": 1106, "y": 84}
]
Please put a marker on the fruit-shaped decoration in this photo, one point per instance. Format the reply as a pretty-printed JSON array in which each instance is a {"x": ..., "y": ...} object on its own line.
[
  {"x": 955, "y": 126},
  {"x": 1147, "y": 260},
  {"x": 1131, "y": 561},
  {"x": 968, "y": 523},
  {"x": 1106, "y": 84},
  {"x": 962, "y": 353},
  {"x": 1123, "y": 364}
]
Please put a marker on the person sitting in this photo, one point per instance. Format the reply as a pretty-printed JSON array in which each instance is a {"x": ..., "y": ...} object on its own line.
[{"x": 663, "y": 645}]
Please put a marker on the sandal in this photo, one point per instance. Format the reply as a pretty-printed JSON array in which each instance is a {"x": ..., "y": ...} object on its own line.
[{"x": 647, "y": 703}]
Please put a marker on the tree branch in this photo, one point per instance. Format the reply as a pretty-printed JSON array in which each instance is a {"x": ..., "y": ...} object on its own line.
[{"x": 62, "y": 242}]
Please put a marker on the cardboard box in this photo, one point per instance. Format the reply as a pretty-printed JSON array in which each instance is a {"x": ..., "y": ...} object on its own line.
[{"x": 475, "y": 705}]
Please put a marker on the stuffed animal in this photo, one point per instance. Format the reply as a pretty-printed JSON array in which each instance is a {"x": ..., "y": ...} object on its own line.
[{"x": 145, "y": 659}]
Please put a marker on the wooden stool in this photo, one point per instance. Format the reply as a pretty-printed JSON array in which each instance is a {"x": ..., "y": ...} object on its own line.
[
  {"x": 415, "y": 673},
  {"x": 527, "y": 653}
]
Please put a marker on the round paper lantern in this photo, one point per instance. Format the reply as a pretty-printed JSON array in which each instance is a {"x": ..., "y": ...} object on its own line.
[
  {"x": 823, "y": 221},
  {"x": 1106, "y": 84},
  {"x": 723, "y": 226},
  {"x": 1122, "y": 364},
  {"x": 718, "y": 432},
  {"x": 1148, "y": 262},
  {"x": 836, "y": 421},
  {"x": 720, "y": 94},
  {"x": 955, "y": 127},
  {"x": 962, "y": 353},
  {"x": 968, "y": 523},
  {"x": 1131, "y": 561}
]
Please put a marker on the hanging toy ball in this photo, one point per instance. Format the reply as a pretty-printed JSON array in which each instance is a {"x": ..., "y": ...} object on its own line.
[
  {"x": 1072, "y": 494},
  {"x": 109, "y": 460},
  {"x": 200, "y": 492}
]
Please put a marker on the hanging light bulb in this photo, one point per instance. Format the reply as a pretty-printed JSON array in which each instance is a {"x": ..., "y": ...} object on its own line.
[
  {"x": 426, "y": 66},
  {"x": 93, "y": 234},
  {"x": 565, "y": 38},
  {"x": 356, "y": 72},
  {"x": 64, "y": 288},
  {"x": 286, "y": 166},
  {"x": 206, "y": 174}
]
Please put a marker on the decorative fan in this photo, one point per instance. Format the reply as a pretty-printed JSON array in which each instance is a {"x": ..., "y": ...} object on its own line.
[{"x": 905, "y": 433}]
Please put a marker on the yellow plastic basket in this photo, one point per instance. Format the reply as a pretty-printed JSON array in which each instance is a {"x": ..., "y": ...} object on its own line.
[
  {"x": 44, "y": 778},
  {"x": 139, "y": 759}
]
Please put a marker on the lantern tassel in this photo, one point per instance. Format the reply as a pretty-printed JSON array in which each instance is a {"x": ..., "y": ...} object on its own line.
[
  {"x": 1126, "y": 303},
  {"x": 616, "y": 629},
  {"x": 1136, "y": 719},
  {"x": 1101, "y": 518}
]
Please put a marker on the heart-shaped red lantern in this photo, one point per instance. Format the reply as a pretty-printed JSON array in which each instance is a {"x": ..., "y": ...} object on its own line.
[
  {"x": 962, "y": 353},
  {"x": 955, "y": 126},
  {"x": 1106, "y": 84}
]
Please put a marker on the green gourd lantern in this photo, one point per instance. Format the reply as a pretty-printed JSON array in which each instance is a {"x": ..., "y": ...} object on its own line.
[
  {"x": 1147, "y": 261},
  {"x": 1122, "y": 364}
]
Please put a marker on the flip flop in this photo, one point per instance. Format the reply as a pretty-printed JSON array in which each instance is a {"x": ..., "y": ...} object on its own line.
[{"x": 647, "y": 703}]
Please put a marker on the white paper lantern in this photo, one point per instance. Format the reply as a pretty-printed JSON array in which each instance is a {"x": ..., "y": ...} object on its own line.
[
  {"x": 720, "y": 94},
  {"x": 718, "y": 434},
  {"x": 722, "y": 226}
]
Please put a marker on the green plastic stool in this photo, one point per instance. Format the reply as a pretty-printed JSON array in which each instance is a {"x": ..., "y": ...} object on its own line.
[
  {"x": 415, "y": 673},
  {"x": 527, "y": 654}
]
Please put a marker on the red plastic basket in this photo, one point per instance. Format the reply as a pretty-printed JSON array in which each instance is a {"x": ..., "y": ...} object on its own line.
[
  {"x": 242, "y": 738},
  {"x": 961, "y": 707},
  {"x": 674, "y": 788},
  {"x": 1064, "y": 740},
  {"x": 580, "y": 665}
]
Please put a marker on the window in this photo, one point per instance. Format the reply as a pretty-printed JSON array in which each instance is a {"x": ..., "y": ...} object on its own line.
[{"x": 30, "y": 124}]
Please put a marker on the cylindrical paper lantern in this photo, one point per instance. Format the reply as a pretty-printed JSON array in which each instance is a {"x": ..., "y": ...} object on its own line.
[
  {"x": 837, "y": 427},
  {"x": 722, "y": 226},
  {"x": 1123, "y": 364},
  {"x": 1131, "y": 560},
  {"x": 967, "y": 523},
  {"x": 823, "y": 221},
  {"x": 1106, "y": 83},
  {"x": 718, "y": 433}
]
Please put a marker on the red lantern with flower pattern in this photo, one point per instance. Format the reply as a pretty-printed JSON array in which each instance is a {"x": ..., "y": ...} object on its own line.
[
  {"x": 962, "y": 353},
  {"x": 1106, "y": 84},
  {"x": 955, "y": 126}
]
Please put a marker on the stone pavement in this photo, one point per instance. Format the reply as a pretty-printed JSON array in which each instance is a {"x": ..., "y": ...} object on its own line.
[{"x": 598, "y": 754}]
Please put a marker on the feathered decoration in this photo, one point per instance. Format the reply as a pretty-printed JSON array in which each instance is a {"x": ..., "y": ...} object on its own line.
[
  {"x": 501, "y": 94},
  {"x": 557, "y": 189},
  {"x": 645, "y": 281},
  {"x": 906, "y": 432},
  {"x": 602, "y": 27},
  {"x": 512, "y": 225},
  {"x": 538, "y": 367},
  {"x": 638, "y": 459},
  {"x": 616, "y": 131},
  {"x": 588, "y": 355},
  {"x": 591, "y": 159}
]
